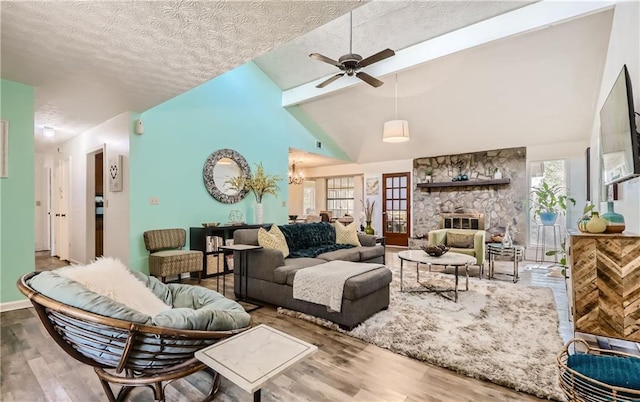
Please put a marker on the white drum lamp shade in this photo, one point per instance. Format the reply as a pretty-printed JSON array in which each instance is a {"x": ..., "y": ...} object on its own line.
[{"x": 395, "y": 131}]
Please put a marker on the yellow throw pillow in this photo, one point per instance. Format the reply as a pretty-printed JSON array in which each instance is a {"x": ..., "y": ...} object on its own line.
[
  {"x": 273, "y": 239},
  {"x": 346, "y": 234}
]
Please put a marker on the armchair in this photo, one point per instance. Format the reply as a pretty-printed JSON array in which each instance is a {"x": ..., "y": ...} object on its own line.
[{"x": 464, "y": 241}]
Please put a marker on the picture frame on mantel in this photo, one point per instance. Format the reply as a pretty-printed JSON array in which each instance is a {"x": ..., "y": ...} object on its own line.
[{"x": 4, "y": 148}]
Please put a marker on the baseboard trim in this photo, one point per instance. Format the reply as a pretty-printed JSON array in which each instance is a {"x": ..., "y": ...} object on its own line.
[{"x": 14, "y": 305}]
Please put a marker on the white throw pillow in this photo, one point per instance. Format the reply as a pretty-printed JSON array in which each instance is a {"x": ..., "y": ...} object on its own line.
[
  {"x": 111, "y": 278},
  {"x": 346, "y": 234},
  {"x": 273, "y": 239}
]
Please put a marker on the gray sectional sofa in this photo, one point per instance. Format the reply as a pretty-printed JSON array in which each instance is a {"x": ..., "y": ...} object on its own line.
[{"x": 270, "y": 275}]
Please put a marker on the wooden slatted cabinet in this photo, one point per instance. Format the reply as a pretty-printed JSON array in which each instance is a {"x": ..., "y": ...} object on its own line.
[{"x": 605, "y": 284}]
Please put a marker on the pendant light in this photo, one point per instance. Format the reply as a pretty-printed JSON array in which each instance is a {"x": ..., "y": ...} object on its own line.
[
  {"x": 295, "y": 178},
  {"x": 396, "y": 130}
]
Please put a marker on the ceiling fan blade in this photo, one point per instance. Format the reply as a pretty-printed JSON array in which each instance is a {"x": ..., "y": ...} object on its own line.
[
  {"x": 374, "y": 82},
  {"x": 329, "y": 81},
  {"x": 386, "y": 53},
  {"x": 320, "y": 57}
]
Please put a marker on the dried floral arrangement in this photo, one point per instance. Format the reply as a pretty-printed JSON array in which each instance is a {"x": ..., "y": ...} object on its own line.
[
  {"x": 257, "y": 182},
  {"x": 368, "y": 209}
]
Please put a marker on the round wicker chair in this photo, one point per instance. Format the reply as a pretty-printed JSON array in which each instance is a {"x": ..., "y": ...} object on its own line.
[
  {"x": 580, "y": 388},
  {"x": 122, "y": 352}
]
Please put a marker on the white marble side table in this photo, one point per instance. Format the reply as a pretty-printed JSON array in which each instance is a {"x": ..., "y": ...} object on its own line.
[{"x": 255, "y": 356}]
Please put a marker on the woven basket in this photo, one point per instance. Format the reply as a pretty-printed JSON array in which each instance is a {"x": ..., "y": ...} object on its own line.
[{"x": 578, "y": 387}]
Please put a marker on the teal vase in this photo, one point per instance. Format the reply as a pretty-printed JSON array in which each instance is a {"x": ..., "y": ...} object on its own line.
[{"x": 615, "y": 221}]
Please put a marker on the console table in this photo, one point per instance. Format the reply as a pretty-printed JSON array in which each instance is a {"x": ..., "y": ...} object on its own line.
[
  {"x": 198, "y": 241},
  {"x": 605, "y": 284}
]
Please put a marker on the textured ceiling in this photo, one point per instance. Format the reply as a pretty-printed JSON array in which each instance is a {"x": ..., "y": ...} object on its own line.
[
  {"x": 92, "y": 60},
  {"x": 533, "y": 89},
  {"x": 376, "y": 26}
]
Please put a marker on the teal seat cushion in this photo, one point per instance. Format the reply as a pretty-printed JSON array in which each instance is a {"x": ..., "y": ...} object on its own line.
[
  {"x": 194, "y": 307},
  {"x": 612, "y": 370},
  {"x": 72, "y": 293}
]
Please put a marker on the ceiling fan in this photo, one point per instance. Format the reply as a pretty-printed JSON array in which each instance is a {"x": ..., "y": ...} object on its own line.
[{"x": 351, "y": 63}]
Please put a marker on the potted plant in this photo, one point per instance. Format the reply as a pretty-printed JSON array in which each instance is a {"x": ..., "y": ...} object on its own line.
[
  {"x": 548, "y": 201},
  {"x": 428, "y": 174},
  {"x": 260, "y": 184},
  {"x": 368, "y": 212}
]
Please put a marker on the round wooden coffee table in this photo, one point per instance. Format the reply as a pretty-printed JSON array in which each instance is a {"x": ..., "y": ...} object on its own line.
[{"x": 450, "y": 259}]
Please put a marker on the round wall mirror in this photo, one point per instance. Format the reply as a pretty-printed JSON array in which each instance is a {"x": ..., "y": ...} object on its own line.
[{"x": 221, "y": 166}]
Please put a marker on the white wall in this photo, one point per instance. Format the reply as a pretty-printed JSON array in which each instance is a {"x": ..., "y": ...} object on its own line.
[
  {"x": 624, "y": 48},
  {"x": 361, "y": 172},
  {"x": 114, "y": 135},
  {"x": 296, "y": 199},
  {"x": 41, "y": 204}
]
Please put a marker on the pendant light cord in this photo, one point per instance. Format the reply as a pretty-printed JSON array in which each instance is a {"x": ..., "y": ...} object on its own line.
[{"x": 396, "y": 96}]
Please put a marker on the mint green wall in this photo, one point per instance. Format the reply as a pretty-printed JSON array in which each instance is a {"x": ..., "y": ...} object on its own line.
[
  {"x": 242, "y": 110},
  {"x": 17, "y": 194}
]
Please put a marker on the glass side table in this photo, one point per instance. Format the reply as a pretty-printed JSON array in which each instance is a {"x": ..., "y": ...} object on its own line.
[{"x": 497, "y": 249}]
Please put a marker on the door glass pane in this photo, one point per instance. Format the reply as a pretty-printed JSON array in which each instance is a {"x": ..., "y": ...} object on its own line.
[
  {"x": 389, "y": 193},
  {"x": 389, "y": 205},
  {"x": 389, "y": 182},
  {"x": 396, "y": 193},
  {"x": 403, "y": 204},
  {"x": 403, "y": 193},
  {"x": 396, "y": 182},
  {"x": 403, "y": 181},
  {"x": 396, "y": 204}
]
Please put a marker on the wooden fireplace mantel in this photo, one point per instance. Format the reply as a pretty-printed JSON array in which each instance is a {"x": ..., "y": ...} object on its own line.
[{"x": 466, "y": 183}]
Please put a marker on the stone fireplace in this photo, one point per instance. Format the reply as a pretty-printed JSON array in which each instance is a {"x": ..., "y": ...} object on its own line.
[
  {"x": 471, "y": 220},
  {"x": 480, "y": 202}
]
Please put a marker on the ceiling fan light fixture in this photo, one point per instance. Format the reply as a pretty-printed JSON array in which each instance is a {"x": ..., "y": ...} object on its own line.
[{"x": 395, "y": 131}]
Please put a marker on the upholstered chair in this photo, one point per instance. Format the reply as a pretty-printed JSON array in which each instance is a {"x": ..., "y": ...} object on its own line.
[
  {"x": 463, "y": 241},
  {"x": 166, "y": 256}
]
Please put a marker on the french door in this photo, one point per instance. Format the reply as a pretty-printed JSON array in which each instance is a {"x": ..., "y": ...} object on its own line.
[{"x": 396, "y": 219}]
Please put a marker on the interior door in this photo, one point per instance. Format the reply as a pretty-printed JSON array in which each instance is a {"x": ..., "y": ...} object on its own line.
[
  {"x": 61, "y": 209},
  {"x": 396, "y": 219}
]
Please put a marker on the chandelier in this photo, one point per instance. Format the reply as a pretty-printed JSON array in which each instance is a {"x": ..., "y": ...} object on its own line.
[{"x": 295, "y": 178}]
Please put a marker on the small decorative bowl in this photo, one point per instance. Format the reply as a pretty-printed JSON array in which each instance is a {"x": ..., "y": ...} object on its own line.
[
  {"x": 210, "y": 224},
  {"x": 435, "y": 251},
  {"x": 497, "y": 238}
]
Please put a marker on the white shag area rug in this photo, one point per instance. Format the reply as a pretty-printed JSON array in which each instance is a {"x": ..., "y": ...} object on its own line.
[{"x": 498, "y": 331}]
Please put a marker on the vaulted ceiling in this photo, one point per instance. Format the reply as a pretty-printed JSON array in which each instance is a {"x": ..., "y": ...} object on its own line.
[{"x": 90, "y": 61}]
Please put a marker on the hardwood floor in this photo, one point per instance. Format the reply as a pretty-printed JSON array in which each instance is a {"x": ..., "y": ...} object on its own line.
[{"x": 34, "y": 368}]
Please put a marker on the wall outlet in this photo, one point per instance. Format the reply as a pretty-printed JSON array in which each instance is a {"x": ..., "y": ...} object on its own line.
[
  {"x": 318, "y": 144},
  {"x": 284, "y": 203},
  {"x": 154, "y": 201}
]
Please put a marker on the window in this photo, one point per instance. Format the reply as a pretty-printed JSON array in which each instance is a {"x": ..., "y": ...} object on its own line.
[
  {"x": 553, "y": 173},
  {"x": 340, "y": 196},
  {"x": 309, "y": 197}
]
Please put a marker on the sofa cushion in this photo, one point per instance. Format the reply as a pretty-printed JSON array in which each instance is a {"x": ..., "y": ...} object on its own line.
[
  {"x": 351, "y": 254},
  {"x": 308, "y": 235},
  {"x": 367, "y": 253},
  {"x": 366, "y": 240},
  {"x": 465, "y": 251},
  {"x": 273, "y": 239},
  {"x": 315, "y": 251},
  {"x": 285, "y": 273},
  {"x": 346, "y": 234},
  {"x": 460, "y": 240},
  {"x": 367, "y": 283}
]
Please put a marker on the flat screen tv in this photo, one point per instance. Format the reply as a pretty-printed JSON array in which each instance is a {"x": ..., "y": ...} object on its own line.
[{"x": 619, "y": 137}]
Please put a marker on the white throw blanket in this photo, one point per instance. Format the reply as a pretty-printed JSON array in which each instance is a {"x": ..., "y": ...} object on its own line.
[{"x": 324, "y": 284}]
